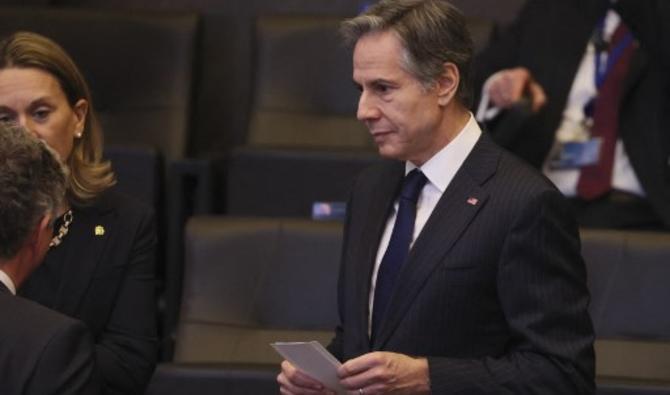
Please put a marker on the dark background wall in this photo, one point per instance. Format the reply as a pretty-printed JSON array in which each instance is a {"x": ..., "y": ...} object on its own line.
[{"x": 225, "y": 73}]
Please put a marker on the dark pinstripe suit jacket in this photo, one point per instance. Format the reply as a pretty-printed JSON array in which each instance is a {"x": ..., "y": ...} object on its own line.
[
  {"x": 494, "y": 294},
  {"x": 43, "y": 352}
]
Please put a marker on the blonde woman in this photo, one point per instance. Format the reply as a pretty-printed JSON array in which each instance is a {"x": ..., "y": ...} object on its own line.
[{"x": 100, "y": 265}]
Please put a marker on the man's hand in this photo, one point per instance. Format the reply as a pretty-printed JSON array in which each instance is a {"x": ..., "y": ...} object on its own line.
[
  {"x": 294, "y": 382},
  {"x": 385, "y": 373},
  {"x": 509, "y": 86}
]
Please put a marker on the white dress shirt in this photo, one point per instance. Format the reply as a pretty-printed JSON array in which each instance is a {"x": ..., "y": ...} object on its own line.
[
  {"x": 582, "y": 90},
  {"x": 439, "y": 170},
  {"x": 4, "y": 278}
]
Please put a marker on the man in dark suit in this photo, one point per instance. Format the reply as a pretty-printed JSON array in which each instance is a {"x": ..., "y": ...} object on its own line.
[
  {"x": 41, "y": 351},
  {"x": 461, "y": 271},
  {"x": 560, "y": 56}
]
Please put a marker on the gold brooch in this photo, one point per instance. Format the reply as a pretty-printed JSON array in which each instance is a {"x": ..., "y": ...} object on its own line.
[{"x": 99, "y": 230}]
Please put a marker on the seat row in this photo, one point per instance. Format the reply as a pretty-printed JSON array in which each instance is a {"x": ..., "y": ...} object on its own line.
[{"x": 250, "y": 281}]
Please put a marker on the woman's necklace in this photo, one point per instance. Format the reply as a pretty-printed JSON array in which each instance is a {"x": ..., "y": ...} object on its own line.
[{"x": 63, "y": 229}]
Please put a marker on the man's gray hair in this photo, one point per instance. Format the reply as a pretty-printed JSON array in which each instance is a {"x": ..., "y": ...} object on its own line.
[
  {"x": 32, "y": 185},
  {"x": 432, "y": 32}
]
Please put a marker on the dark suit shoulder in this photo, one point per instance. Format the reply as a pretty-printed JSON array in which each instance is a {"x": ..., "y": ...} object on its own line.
[
  {"x": 37, "y": 340},
  {"x": 26, "y": 311},
  {"x": 512, "y": 185},
  {"x": 493, "y": 166},
  {"x": 114, "y": 200},
  {"x": 519, "y": 173},
  {"x": 134, "y": 218}
]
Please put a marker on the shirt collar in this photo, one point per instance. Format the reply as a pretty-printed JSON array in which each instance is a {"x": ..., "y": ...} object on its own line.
[
  {"x": 4, "y": 278},
  {"x": 612, "y": 20},
  {"x": 441, "y": 168}
]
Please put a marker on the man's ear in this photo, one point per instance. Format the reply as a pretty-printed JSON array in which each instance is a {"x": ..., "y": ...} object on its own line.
[
  {"x": 40, "y": 237},
  {"x": 33, "y": 250},
  {"x": 447, "y": 84}
]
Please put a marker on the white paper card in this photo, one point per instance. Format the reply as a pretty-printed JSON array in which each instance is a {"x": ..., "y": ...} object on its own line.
[{"x": 313, "y": 359}]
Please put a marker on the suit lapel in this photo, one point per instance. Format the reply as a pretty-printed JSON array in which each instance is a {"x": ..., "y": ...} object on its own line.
[
  {"x": 95, "y": 227},
  {"x": 636, "y": 69},
  {"x": 384, "y": 192},
  {"x": 459, "y": 204}
]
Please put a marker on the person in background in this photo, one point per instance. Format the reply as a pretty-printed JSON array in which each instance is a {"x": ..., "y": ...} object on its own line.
[
  {"x": 461, "y": 270},
  {"x": 41, "y": 351},
  {"x": 579, "y": 89},
  {"x": 100, "y": 265}
]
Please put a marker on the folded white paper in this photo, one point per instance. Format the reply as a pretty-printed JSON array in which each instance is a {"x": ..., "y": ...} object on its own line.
[{"x": 313, "y": 359}]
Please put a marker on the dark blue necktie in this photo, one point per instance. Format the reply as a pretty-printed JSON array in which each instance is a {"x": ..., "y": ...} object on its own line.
[{"x": 398, "y": 247}]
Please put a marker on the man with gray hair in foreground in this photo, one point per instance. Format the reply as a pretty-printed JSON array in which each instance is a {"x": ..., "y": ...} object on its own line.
[
  {"x": 461, "y": 270},
  {"x": 41, "y": 351}
]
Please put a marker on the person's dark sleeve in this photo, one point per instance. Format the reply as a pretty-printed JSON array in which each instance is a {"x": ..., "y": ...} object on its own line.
[
  {"x": 502, "y": 52},
  {"x": 67, "y": 364},
  {"x": 648, "y": 19},
  {"x": 542, "y": 291},
  {"x": 127, "y": 349}
]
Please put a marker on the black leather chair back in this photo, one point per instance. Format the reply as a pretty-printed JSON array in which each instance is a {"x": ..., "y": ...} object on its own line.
[
  {"x": 249, "y": 282},
  {"x": 629, "y": 280},
  {"x": 140, "y": 67}
]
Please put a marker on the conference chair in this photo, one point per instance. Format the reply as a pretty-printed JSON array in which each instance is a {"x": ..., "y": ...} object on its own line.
[
  {"x": 629, "y": 280},
  {"x": 249, "y": 282}
]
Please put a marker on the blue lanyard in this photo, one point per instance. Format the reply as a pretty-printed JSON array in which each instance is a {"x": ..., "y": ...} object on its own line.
[{"x": 603, "y": 68}]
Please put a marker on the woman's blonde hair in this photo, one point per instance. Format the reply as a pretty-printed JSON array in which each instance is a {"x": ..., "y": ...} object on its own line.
[{"x": 88, "y": 174}]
